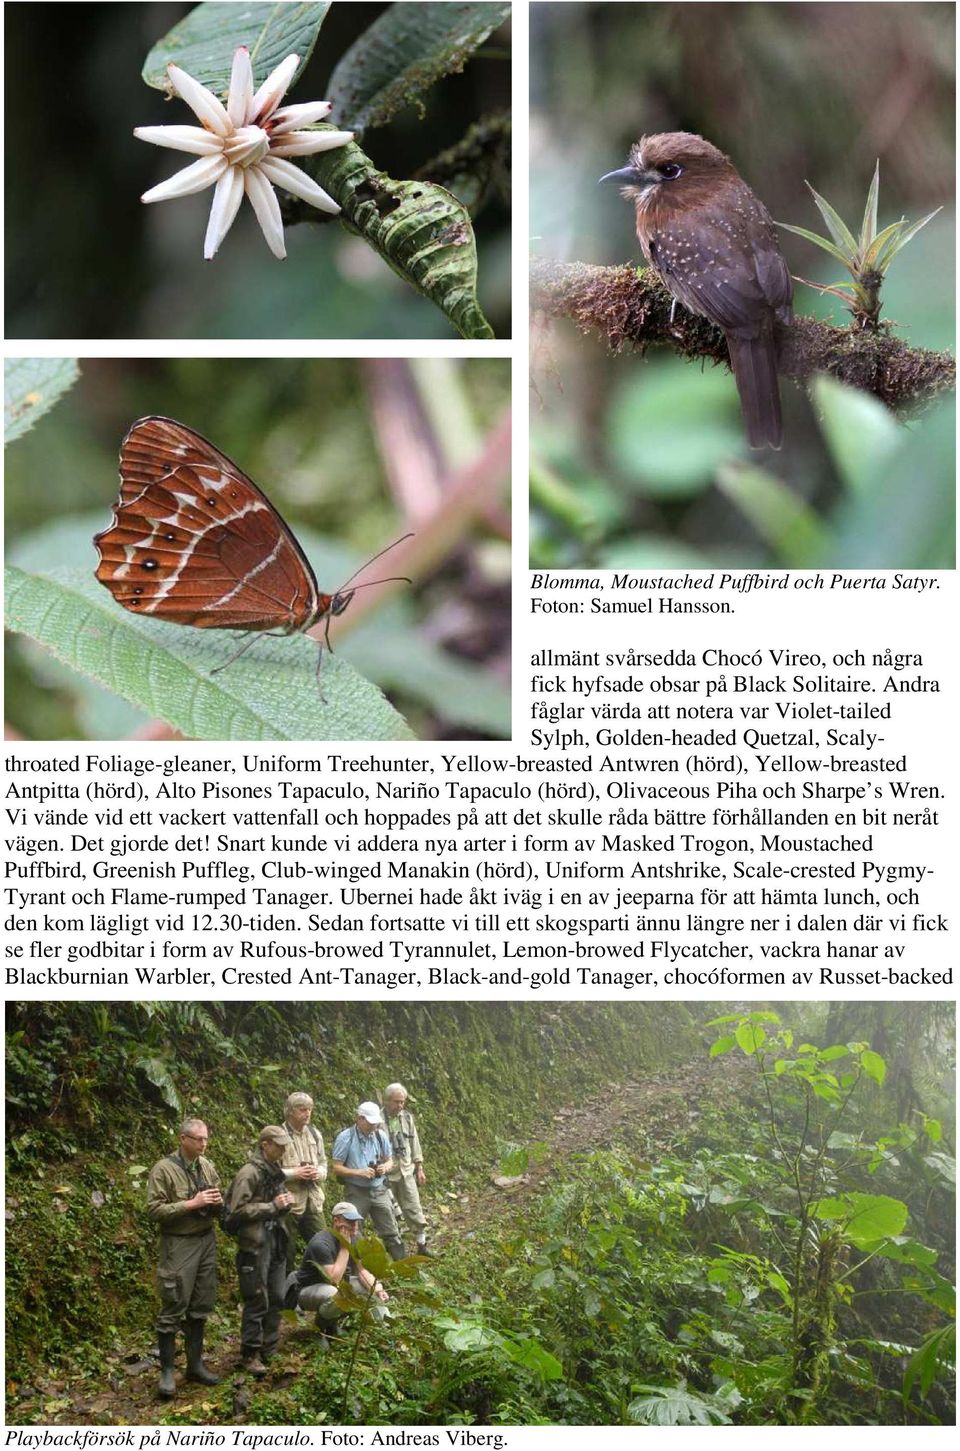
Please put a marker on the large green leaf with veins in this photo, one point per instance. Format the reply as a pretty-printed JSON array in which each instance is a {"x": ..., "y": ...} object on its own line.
[
  {"x": 406, "y": 49},
  {"x": 420, "y": 230},
  {"x": 204, "y": 41},
  {"x": 270, "y": 693}
]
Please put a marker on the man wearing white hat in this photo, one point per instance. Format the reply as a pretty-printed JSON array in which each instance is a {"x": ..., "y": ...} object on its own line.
[{"x": 361, "y": 1161}]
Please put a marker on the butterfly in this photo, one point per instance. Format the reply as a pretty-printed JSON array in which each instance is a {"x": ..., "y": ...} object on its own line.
[{"x": 195, "y": 542}]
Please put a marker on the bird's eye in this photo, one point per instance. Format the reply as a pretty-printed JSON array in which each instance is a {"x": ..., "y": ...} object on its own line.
[{"x": 670, "y": 171}]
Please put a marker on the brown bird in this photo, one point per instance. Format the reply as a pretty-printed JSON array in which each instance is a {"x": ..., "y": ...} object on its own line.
[{"x": 713, "y": 243}]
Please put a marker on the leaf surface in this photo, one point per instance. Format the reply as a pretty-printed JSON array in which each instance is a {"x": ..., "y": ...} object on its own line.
[
  {"x": 420, "y": 230},
  {"x": 204, "y": 41},
  {"x": 409, "y": 47},
  {"x": 31, "y": 386},
  {"x": 268, "y": 694}
]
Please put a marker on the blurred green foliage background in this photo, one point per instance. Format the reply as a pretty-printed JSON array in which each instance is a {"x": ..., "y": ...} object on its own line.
[
  {"x": 333, "y": 444},
  {"x": 84, "y": 258},
  {"x": 642, "y": 462}
]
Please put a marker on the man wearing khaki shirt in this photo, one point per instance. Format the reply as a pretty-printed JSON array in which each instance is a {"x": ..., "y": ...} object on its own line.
[
  {"x": 304, "y": 1166},
  {"x": 407, "y": 1175},
  {"x": 184, "y": 1199}
]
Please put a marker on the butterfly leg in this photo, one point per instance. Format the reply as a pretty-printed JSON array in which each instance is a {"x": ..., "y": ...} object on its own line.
[{"x": 248, "y": 640}]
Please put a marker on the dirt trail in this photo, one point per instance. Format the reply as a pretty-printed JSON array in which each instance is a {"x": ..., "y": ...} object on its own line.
[{"x": 658, "y": 1108}]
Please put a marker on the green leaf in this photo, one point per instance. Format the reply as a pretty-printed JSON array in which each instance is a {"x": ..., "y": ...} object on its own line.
[
  {"x": 778, "y": 1282},
  {"x": 877, "y": 246},
  {"x": 908, "y": 1252},
  {"x": 722, "y": 1045},
  {"x": 158, "y": 1074},
  {"x": 750, "y": 1038},
  {"x": 859, "y": 431},
  {"x": 869, "y": 228},
  {"x": 778, "y": 514},
  {"x": 370, "y": 1253},
  {"x": 531, "y": 1355},
  {"x": 674, "y": 1406},
  {"x": 268, "y": 694},
  {"x": 838, "y": 1140},
  {"x": 420, "y": 230},
  {"x": 897, "y": 243},
  {"x": 31, "y": 386},
  {"x": 830, "y": 1055},
  {"x": 873, "y": 1065},
  {"x": 866, "y": 1217},
  {"x": 204, "y": 41},
  {"x": 544, "y": 1279},
  {"x": 937, "y": 1352},
  {"x": 466, "y": 1334},
  {"x": 836, "y": 226},
  {"x": 403, "y": 53},
  {"x": 817, "y": 240}
]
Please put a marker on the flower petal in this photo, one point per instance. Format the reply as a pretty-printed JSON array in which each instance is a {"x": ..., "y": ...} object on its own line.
[
  {"x": 270, "y": 94},
  {"x": 308, "y": 143},
  {"x": 226, "y": 204},
  {"x": 195, "y": 177},
  {"x": 180, "y": 138},
  {"x": 263, "y": 199},
  {"x": 241, "y": 86},
  {"x": 203, "y": 103},
  {"x": 292, "y": 179},
  {"x": 290, "y": 117}
]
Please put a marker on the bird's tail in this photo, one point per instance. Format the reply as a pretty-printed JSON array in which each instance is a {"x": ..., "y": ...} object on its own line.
[{"x": 754, "y": 363}]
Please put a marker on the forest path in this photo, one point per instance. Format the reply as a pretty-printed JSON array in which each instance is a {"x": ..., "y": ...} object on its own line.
[{"x": 654, "y": 1110}]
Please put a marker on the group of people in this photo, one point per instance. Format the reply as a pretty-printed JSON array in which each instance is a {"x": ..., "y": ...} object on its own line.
[{"x": 275, "y": 1204}]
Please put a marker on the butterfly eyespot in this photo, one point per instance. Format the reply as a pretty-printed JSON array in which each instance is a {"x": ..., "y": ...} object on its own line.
[
  {"x": 169, "y": 536},
  {"x": 211, "y": 503},
  {"x": 150, "y": 564},
  {"x": 138, "y": 589}
]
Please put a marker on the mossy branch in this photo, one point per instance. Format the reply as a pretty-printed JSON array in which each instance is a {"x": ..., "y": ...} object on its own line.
[{"x": 627, "y": 308}]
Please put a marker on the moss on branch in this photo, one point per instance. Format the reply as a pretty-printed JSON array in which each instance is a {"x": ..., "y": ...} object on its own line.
[{"x": 627, "y": 308}]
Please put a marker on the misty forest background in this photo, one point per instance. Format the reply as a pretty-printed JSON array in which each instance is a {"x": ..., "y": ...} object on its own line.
[{"x": 643, "y": 1213}]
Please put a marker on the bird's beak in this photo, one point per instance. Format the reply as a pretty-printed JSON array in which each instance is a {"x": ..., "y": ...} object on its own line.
[{"x": 631, "y": 176}]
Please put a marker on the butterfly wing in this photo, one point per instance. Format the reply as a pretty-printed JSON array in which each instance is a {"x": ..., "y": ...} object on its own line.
[{"x": 194, "y": 541}]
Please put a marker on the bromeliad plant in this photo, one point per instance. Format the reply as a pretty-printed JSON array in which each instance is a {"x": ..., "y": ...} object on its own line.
[
  {"x": 232, "y": 64},
  {"x": 866, "y": 257}
]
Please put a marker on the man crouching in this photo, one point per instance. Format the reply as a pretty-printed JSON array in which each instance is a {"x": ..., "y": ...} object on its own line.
[{"x": 315, "y": 1284}]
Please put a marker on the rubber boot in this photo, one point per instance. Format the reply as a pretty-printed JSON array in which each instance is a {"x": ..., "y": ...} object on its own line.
[
  {"x": 167, "y": 1388},
  {"x": 250, "y": 1362},
  {"x": 193, "y": 1340}
]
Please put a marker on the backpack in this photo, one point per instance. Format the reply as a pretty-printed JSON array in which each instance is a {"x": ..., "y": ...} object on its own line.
[{"x": 269, "y": 1185}]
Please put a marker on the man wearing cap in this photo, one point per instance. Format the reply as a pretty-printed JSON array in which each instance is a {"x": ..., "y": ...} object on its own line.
[
  {"x": 184, "y": 1198},
  {"x": 407, "y": 1174},
  {"x": 362, "y": 1160},
  {"x": 258, "y": 1202},
  {"x": 315, "y": 1284},
  {"x": 304, "y": 1166}
]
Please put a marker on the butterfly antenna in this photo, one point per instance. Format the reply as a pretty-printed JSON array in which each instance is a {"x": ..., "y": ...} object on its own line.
[
  {"x": 372, "y": 560},
  {"x": 390, "y": 579}
]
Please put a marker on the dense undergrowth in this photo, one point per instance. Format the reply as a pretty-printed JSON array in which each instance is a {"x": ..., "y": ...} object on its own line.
[
  {"x": 95, "y": 1092},
  {"x": 769, "y": 1242}
]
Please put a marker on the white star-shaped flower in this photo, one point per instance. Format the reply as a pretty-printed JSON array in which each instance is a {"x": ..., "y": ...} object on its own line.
[{"x": 243, "y": 148}]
